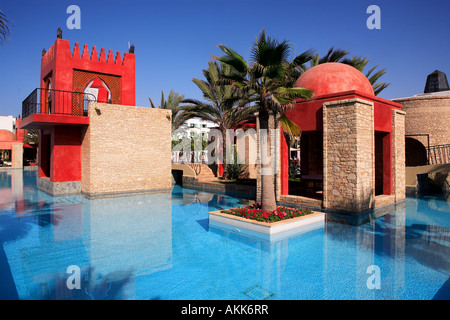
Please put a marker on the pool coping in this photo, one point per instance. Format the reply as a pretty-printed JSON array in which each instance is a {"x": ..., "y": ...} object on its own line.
[{"x": 273, "y": 231}]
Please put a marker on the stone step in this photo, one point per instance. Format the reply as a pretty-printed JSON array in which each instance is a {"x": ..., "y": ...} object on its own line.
[
  {"x": 206, "y": 180},
  {"x": 204, "y": 176}
]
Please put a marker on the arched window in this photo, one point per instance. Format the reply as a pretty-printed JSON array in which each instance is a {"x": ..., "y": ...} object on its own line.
[
  {"x": 97, "y": 88},
  {"x": 48, "y": 97}
]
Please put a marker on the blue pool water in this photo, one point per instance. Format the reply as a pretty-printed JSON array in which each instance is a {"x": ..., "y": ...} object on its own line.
[{"x": 159, "y": 246}]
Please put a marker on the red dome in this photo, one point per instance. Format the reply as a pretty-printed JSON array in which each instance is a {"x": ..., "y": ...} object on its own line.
[
  {"x": 334, "y": 77},
  {"x": 6, "y": 135}
]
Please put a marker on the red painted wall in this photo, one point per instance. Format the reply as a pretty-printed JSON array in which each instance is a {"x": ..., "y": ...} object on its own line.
[
  {"x": 65, "y": 153},
  {"x": 64, "y": 157},
  {"x": 59, "y": 62},
  {"x": 284, "y": 165}
]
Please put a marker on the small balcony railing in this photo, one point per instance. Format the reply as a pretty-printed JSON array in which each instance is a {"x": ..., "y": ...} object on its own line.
[
  {"x": 50, "y": 101},
  {"x": 197, "y": 157},
  {"x": 439, "y": 154}
]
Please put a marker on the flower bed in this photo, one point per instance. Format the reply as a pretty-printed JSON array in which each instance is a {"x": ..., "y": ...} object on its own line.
[
  {"x": 277, "y": 225},
  {"x": 254, "y": 212}
]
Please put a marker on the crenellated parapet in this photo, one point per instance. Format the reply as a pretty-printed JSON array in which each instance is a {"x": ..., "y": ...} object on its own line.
[
  {"x": 63, "y": 48},
  {"x": 94, "y": 56}
]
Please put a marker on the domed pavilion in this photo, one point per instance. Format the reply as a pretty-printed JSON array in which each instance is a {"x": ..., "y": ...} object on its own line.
[{"x": 351, "y": 150}]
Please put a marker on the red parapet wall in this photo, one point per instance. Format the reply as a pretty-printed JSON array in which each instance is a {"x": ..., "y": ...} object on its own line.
[{"x": 60, "y": 64}]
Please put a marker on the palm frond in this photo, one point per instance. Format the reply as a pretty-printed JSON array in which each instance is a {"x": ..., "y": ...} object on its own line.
[
  {"x": 151, "y": 103},
  {"x": 233, "y": 59},
  {"x": 290, "y": 127},
  {"x": 356, "y": 62},
  {"x": 333, "y": 55},
  {"x": 297, "y": 92},
  {"x": 377, "y": 75},
  {"x": 378, "y": 87},
  {"x": 5, "y": 30}
]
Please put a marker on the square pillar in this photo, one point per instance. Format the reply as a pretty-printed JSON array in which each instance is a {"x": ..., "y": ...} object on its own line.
[
  {"x": 348, "y": 155},
  {"x": 398, "y": 154},
  {"x": 60, "y": 160},
  {"x": 17, "y": 155}
]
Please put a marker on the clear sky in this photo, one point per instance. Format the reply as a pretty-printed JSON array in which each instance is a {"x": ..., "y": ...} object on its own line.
[{"x": 175, "y": 39}]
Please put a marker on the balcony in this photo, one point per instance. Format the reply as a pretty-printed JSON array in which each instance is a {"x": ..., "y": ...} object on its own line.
[{"x": 44, "y": 107}]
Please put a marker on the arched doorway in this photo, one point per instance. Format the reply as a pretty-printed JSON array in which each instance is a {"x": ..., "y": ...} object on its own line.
[
  {"x": 306, "y": 165},
  {"x": 47, "y": 97},
  {"x": 415, "y": 153}
]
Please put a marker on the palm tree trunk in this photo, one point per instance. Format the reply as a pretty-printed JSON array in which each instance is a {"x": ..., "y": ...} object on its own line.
[
  {"x": 268, "y": 200},
  {"x": 222, "y": 167}
]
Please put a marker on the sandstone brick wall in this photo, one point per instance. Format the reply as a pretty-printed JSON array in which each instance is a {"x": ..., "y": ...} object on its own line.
[
  {"x": 427, "y": 115},
  {"x": 126, "y": 149},
  {"x": 17, "y": 155},
  {"x": 348, "y": 155},
  {"x": 398, "y": 154}
]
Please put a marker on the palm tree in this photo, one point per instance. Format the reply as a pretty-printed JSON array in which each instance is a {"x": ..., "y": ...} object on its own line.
[
  {"x": 262, "y": 81},
  {"x": 222, "y": 104},
  {"x": 174, "y": 99},
  {"x": 4, "y": 27},
  {"x": 31, "y": 136}
]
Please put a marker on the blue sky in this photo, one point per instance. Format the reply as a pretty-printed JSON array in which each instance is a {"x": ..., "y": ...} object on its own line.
[{"x": 175, "y": 39}]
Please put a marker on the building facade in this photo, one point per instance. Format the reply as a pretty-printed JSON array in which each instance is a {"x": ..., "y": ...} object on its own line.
[
  {"x": 92, "y": 136},
  {"x": 427, "y": 124}
]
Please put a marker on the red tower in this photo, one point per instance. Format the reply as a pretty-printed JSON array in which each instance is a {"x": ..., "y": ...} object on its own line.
[{"x": 69, "y": 80}]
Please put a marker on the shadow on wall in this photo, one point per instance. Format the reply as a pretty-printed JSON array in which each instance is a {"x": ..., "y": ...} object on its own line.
[{"x": 437, "y": 183}]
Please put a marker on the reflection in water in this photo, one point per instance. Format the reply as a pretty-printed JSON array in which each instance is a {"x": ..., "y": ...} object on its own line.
[
  {"x": 160, "y": 246},
  {"x": 113, "y": 241},
  {"x": 411, "y": 250}
]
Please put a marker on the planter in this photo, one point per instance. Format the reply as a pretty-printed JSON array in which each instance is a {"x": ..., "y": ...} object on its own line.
[{"x": 267, "y": 231}]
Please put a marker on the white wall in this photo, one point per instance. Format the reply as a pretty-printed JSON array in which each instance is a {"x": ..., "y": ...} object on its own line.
[{"x": 7, "y": 123}]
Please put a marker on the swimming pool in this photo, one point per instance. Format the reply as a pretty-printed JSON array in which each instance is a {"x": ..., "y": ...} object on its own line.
[{"x": 159, "y": 246}]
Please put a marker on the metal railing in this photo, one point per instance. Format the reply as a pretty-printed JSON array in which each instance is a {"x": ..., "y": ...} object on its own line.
[
  {"x": 50, "y": 101},
  {"x": 438, "y": 154},
  {"x": 194, "y": 159},
  {"x": 198, "y": 157}
]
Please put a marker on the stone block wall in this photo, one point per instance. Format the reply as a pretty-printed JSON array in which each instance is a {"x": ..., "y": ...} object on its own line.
[
  {"x": 59, "y": 188},
  {"x": 398, "y": 154},
  {"x": 126, "y": 149},
  {"x": 348, "y": 155},
  {"x": 17, "y": 155},
  {"x": 427, "y": 115}
]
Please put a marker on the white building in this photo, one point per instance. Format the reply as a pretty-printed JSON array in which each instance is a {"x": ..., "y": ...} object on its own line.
[
  {"x": 7, "y": 123},
  {"x": 194, "y": 127}
]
